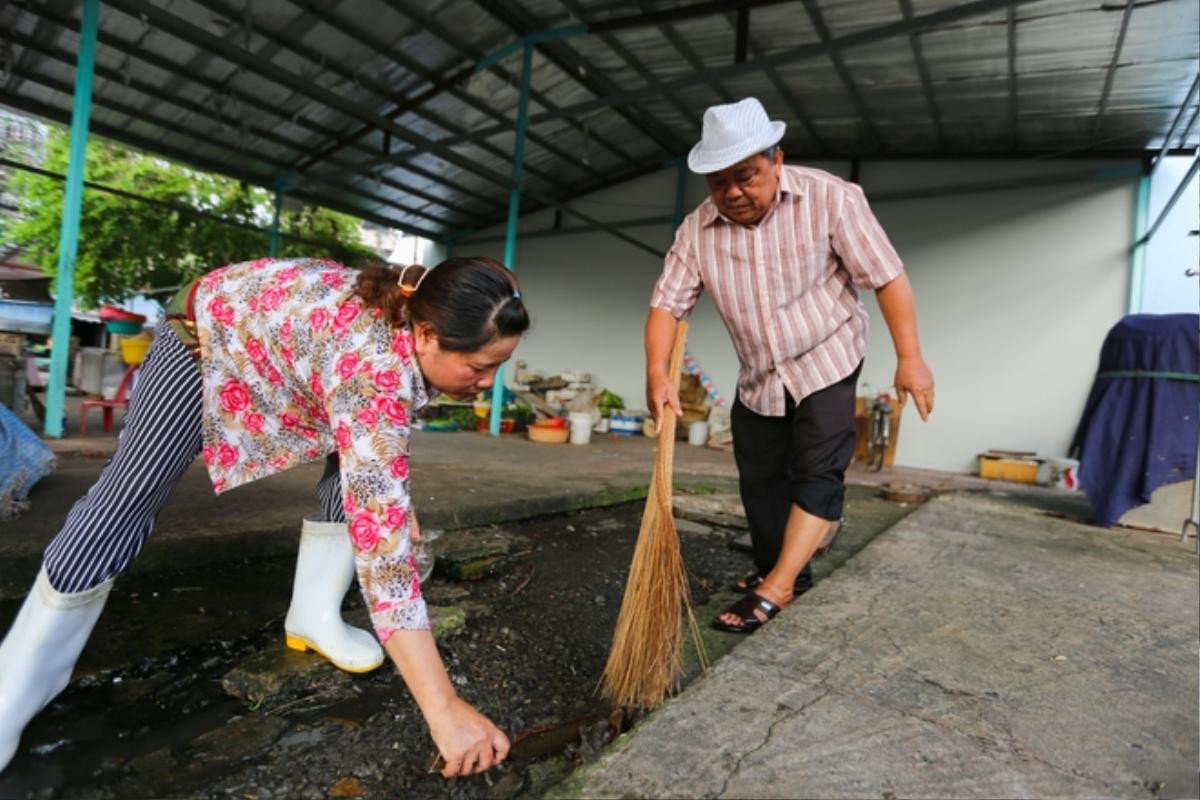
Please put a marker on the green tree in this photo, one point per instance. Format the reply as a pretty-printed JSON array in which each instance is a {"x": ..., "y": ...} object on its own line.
[{"x": 128, "y": 246}]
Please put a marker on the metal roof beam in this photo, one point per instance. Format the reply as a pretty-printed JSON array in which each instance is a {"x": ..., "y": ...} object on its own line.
[
  {"x": 801, "y": 52},
  {"x": 914, "y": 41},
  {"x": 839, "y": 65},
  {"x": 1112, "y": 66},
  {"x": 566, "y": 59},
  {"x": 183, "y": 130},
  {"x": 281, "y": 41},
  {"x": 186, "y": 31},
  {"x": 628, "y": 57},
  {"x": 419, "y": 71},
  {"x": 1011, "y": 37},
  {"x": 150, "y": 201},
  {"x": 458, "y": 77},
  {"x": 294, "y": 118},
  {"x": 790, "y": 98},
  {"x": 50, "y": 112},
  {"x": 1187, "y": 101}
]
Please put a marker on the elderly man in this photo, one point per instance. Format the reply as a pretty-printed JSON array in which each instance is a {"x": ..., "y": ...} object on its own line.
[{"x": 781, "y": 250}]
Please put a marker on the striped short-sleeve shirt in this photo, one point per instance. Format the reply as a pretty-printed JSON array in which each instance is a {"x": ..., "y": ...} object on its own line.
[{"x": 787, "y": 287}]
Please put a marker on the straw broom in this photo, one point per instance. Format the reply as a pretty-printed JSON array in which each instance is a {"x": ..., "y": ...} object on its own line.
[{"x": 644, "y": 663}]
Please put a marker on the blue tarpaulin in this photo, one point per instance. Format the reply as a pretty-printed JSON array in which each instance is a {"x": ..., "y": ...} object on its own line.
[
  {"x": 1139, "y": 426},
  {"x": 24, "y": 460}
]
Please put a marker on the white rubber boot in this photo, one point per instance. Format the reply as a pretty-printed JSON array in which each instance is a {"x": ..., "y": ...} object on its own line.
[
  {"x": 39, "y": 652},
  {"x": 324, "y": 570}
]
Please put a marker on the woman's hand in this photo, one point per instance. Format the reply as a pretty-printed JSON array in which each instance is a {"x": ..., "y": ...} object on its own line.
[{"x": 467, "y": 740}]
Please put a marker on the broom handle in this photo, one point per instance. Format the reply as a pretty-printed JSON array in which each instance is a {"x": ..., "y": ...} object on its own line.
[{"x": 665, "y": 463}]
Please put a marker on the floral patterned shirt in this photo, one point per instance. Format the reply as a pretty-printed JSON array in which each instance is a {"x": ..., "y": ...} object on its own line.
[{"x": 294, "y": 367}]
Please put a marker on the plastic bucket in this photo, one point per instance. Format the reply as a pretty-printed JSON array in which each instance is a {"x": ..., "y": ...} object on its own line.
[
  {"x": 698, "y": 433},
  {"x": 133, "y": 350},
  {"x": 581, "y": 428}
]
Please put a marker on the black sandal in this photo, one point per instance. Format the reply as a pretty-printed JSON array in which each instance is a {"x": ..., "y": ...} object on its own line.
[
  {"x": 748, "y": 583},
  {"x": 745, "y": 609},
  {"x": 754, "y": 580}
]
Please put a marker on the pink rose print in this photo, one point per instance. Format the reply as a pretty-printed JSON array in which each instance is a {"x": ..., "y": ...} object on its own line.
[
  {"x": 280, "y": 462},
  {"x": 221, "y": 311},
  {"x": 384, "y": 634},
  {"x": 288, "y": 355},
  {"x": 253, "y": 422},
  {"x": 383, "y": 605},
  {"x": 312, "y": 453},
  {"x": 288, "y": 274},
  {"x": 364, "y": 530},
  {"x": 334, "y": 280},
  {"x": 393, "y": 409},
  {"x": 261, "y": 263},
  {"x": 289, "y": 419},
  {"x": 253, "y": 304},
  {"x": 314, "y": 383},
  {"x": 318, "y": 319},
  {"x": 400, "y": 467},
  {"x": 274, "y": 375},
  {"x": 402, "y": 345},
  {"x": 343, "y": 436},
  {"x": 320, "y": 415},
  {"x": 346, "y": 365},
  {"x": 348, "y": 504},
  {"x": 414, "y": 591},
  {"x": 218, "y": 484},
  {"x": 227, "y": 455},
  {"x": 271, "y": 298},
  {"x": 255, "y": 349},
  {"x": 209, "y": 454},
  {"x": 285, "y": 330},
  {"x": 386, "y": 380},
  {"x": 368, "y": 417},
  {"x": 234, "y": 397},
  {"x": 346, "y": 313},
  {"x": 394, "y": 517}
]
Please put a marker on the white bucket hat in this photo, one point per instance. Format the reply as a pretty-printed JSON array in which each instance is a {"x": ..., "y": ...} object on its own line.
[{"x": 731, "y": 133}]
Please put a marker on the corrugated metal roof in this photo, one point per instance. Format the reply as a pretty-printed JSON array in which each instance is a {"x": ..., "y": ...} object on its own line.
[{"x": 374, "y": 104}]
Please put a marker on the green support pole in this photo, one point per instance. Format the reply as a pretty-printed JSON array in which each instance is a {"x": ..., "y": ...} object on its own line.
[
  {"x": 275, "y": 224},
  {"x": 514, "y": 210},
  {"x": 68, "y": 240},
  {"x": 1137, "y": 264}
]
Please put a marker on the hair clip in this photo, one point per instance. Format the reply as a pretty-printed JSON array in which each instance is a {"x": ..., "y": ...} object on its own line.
[
  {"x": 409, "y": 289},
  {"x": 516, "y": 296}
]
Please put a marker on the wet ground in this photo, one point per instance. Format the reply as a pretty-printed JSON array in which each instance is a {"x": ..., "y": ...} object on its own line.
[{"x": 147, "y": 715}]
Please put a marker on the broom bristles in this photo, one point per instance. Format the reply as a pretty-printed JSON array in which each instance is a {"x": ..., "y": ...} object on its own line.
[{"x": 644, "y": 663}]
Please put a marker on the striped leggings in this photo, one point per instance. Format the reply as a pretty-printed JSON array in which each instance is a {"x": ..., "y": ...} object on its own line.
[{"x": 108, "y": 526}]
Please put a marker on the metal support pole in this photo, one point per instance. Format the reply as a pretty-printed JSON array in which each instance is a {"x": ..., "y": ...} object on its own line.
[
  {"x": 514, "y": 210},
  {"x": 274, "y": 252},
  {"x": 1137, "y": 264},
  {"x": 68, "y": 240}
]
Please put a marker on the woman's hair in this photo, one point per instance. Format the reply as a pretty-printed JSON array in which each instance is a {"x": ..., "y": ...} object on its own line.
[{"x": 470, "y": 302}]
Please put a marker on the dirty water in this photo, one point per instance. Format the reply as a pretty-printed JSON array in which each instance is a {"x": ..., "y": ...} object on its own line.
[{"x": 147, "y": 714}]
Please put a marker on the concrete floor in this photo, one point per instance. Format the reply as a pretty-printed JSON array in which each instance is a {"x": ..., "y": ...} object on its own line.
[
  {"x": 991, "y": 644},
  {"x": 979, "y": 648}
]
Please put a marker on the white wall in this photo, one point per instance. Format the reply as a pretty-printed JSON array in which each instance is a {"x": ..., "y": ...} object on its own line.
[{"x": 1015, "y": 292}]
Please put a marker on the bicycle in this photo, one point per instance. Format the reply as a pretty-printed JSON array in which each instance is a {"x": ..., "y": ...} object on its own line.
[{"x": 879, "y": 431}]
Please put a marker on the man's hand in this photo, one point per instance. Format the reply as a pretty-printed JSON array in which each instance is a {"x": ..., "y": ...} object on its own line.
[
  {"x": 661, "y": 392},
  {"x": 913, "y": 377}
]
